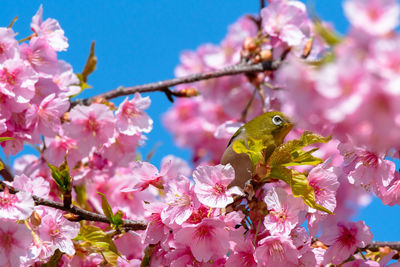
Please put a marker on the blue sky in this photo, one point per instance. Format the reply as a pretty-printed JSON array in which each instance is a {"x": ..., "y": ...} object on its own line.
[{"x": 139, "y": 41}]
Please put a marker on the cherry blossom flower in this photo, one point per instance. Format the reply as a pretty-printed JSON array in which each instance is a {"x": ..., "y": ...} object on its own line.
[
  {"x": 366, "y": 168},
  {"x": 46, "y": 117},
  {"x": 376, "y": 17},
  {"x": 122, "y": 149},
  {"x": 59, "y": 147},
  {"x": 286, "y": 20},
  {"x": 174, "y": 167},
  {"x": 8, "y": 44},
  {"x": 325, "y": 184},
  {"x": 156, "y": 230},
  {"x": 131, "y": 117},
  {"x": 343, "y": 240},
  {"x": 17, "y": 80},
  {"x": 276, "y": 251},
  {"x": 91, "y": 125},
  {"x": 42, "y": 57},
  {"x": 59, "y": 231},
  {"x": 145, "y": 174},
  {"x": 17, "y": 206},
  {"x": 283, "y": 211},
  {"x": 181, "y": 201},
  {"x": 207, "y": 240},
  {"x": 14, "y": 242},
  {"x": 211, "y": 185},
  {"x": 242, "y": 252},
  {"x": 35, "y": 186},
  {"x": 49, "y": 29}
]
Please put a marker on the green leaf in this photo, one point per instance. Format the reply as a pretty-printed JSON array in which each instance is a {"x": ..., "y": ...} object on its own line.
[
  {"x": 90, "y": 65},
  {"x": 281, "y": 173},
  {"x": 252, "y": 147},
  {"x": 291, "y": 153},
  {"x": 308, "y": 138},
  {"x": 329, "y": 36},
  {"x": 301, "y": 157},
  {"x": 2, "y": 139},
  {"x": 54, "y": 260},
  {"x": 301, "y": 188},
  {"x": 116, "y": 219},
  {"x": 100, "y": 242},
  {"x": 106, "y": 207},
  {"x": 61, "y": 176}
]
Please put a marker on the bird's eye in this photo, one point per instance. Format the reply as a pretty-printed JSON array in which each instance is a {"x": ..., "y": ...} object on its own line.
[{"x": 277, "y": 120}]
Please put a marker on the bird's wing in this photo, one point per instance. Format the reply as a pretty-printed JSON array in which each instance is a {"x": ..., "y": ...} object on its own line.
[{"x": 238, "y": 132}]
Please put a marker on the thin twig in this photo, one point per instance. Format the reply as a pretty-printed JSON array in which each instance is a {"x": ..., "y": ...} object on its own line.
[
  {"x": 6, "y": 173},
  {"x": 81, "y": 213},
  {"x": 375, "y": 245},
  {"x": 262, "y": 4},
  {"x": 163, "y": 86}
]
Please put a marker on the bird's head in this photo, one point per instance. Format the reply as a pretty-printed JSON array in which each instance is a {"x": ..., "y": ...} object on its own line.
[{"x": 273, "y": 123}]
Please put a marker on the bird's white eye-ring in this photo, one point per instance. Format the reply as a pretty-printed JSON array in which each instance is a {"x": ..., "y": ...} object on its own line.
[{"x": 277, "y": 120}]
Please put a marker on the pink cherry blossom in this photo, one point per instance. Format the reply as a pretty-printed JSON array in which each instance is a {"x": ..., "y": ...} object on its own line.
[
  {"x": 211, "y": 185},
  {"x": 145, "y": 174},
  {"x": 17, "y": 206},
  {"x": 156, "y": 230},
  {"x": 42, "y": 57},
  {"x": 325, "y": 184},
  {"x": 343, "y": 240},
  {"x": 8, "y": 44},
  {"x": 366, "y": 168},
  {"x": 131, "y": 117},
  {"x": 46, "y": 116},
  {"x": 276, "y": 251},
  {"x": 66, "y": 79},
  {"x": 173, "y": 167},
  {"x": 207, "y": 240},
  {"x": 59, "y": 231},
  {"x": 91, "y": 125},
  {"x": 127, "y": 242},
  {"x": 286, "y": 20},
  {"x": 283, "y": 211},
  {"x": 181, "y": 201},
  {"x": 35, "y": 186},
  {"x": 122, "y": 149},
  {"x": 59, "y": 147},
  {"x": 376, "y": 17},
  {"x": 49, "y": 29},
  {"x": 17, "y": 80},
  {"x": 14, "y": 242},
  {"x": 242, "y": 252},
  {"x": 362, "y": 263}
]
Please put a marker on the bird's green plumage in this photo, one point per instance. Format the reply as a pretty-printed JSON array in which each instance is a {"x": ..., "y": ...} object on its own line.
[{"x": 260, "y": 128}]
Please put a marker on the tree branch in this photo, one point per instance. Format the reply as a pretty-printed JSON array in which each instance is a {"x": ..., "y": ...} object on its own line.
[
  {"x": 6, "y": 173},
  {"x": 375, "y": 245},
  {"x": 162, "y": 86},
  {"x": 81, "y": 213}
]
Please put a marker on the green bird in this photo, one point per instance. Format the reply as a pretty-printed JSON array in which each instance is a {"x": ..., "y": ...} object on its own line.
[{"x": 270, "y": 127}]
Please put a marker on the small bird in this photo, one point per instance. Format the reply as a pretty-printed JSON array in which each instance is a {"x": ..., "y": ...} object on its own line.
[{"x": 270, "y": 127}]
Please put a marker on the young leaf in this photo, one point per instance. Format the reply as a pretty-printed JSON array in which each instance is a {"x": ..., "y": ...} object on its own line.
[
  {"x": 2, "y": 139},
  {"x": 61, "y": 177},
  {"x": 106, "y": 207},
  {"x": 252, "y": 147},
  {"x": 301, "y": 188},
  {"x": 100, "y": 242},
  {"x": 114, "y": 219}
]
